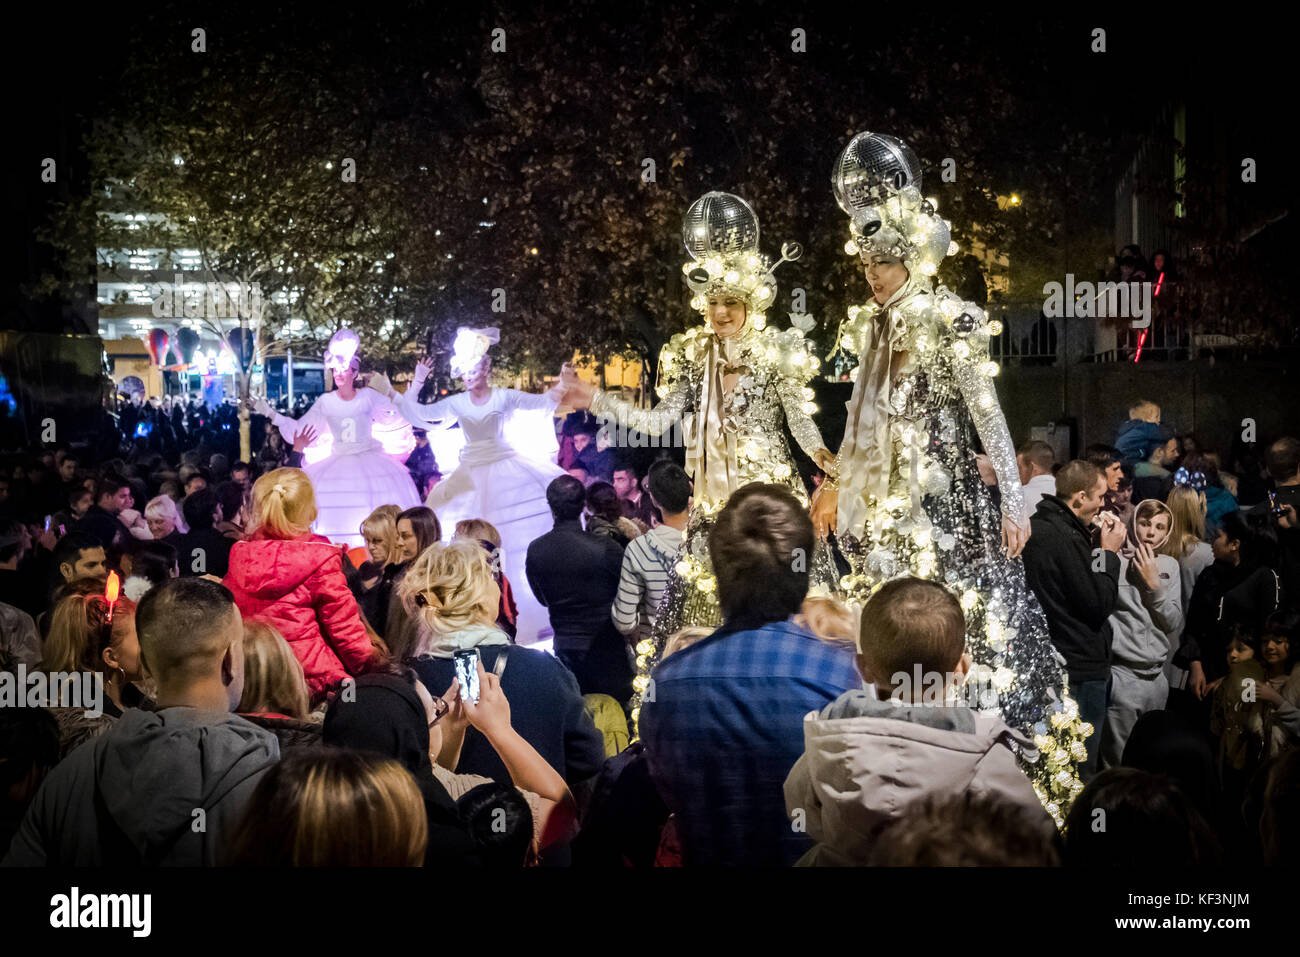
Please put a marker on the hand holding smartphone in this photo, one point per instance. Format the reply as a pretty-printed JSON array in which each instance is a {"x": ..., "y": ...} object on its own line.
[
  {"x": 467, "y": 670},
  {"x": 488, "y": 710}
]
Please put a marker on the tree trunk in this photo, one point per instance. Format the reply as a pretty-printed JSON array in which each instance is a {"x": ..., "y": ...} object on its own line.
[{"x": 245, "y": 437}]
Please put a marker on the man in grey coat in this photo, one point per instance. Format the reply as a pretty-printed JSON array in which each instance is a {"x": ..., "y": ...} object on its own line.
[{"x": 162, "y": 787}]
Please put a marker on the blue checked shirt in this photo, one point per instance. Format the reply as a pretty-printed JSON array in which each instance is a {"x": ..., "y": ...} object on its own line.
[{"x": 722, "y": 728}]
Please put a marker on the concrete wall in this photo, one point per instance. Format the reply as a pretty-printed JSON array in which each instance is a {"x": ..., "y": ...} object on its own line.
[{"x": 1208, "y": 400}]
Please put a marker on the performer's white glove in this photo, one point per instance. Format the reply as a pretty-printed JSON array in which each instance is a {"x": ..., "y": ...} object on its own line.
[{"x": 422, "y": 370}]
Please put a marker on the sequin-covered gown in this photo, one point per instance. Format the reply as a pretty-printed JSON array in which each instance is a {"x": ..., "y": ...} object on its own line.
[
  {"x": 939, "y": 522},
  {"x": 770, "y": 395}
]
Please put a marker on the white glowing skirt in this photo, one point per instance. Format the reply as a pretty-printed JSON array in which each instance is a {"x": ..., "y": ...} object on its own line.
[
  {"x": 349, "y": 487},
  {"x": 495, "y": 483}
]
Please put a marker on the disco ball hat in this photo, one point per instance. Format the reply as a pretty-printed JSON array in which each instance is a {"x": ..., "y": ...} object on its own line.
[
  {"x": 720, "y": 232},
  {"x": 872, "y": 168},
  {"x": 877, "y": 181}
]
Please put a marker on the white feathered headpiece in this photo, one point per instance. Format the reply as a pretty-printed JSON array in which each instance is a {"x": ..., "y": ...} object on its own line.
[{"x": 470, "y": 347}]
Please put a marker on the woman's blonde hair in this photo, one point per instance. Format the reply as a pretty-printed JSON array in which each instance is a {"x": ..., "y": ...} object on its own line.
[
  {"x": 164, "y": 507},
  {"x": 284, "y": 504},
  {"x": 1188, "y": 528},
  {"x": 76, "y": 623},
  {"x": 382, "y": 524},
  {"x": 478, "y": 530},
  {"x": 273, "y": 677},
  {"x": 830, "y": 620},
  {"x": 333, "y": 807},
  {"x": 457, "y": 585}
]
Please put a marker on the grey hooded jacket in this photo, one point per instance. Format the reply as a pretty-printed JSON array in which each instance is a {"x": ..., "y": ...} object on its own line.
[
  {"x": 865, "y": 760},
  {"x": 160, "y": 788}
]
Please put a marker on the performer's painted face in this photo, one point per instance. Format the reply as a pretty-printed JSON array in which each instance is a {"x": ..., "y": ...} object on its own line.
[
  {"x": 726, "y": 315},
  {"x": 886, "y": 276}
]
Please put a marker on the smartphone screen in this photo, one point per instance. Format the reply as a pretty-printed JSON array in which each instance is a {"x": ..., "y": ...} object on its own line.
[
  {"x": 1286, "y": 495},
  {"x": 467, "y": 673}
]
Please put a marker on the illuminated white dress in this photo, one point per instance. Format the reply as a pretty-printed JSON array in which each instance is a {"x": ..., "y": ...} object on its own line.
[
  {"x": 355, "y": 463},
  {"x": 504, "y": 469}
]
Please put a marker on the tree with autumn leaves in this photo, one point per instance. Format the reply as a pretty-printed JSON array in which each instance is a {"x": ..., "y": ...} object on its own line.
[{"x": 544, "y": 169}]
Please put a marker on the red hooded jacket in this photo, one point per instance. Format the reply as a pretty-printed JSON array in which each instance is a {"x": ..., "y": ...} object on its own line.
[{"x": 298, "y": 586}]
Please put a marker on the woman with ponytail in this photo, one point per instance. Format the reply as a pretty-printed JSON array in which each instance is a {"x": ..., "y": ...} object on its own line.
[{"x": 285, "y": 575}]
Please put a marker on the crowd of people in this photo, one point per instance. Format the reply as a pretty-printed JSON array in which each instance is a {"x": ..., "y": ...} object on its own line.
[{"x": 311, "y": 704}]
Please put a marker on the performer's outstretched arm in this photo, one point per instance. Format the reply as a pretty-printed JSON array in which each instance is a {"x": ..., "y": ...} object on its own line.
[
  {"x": 527, "y": 401},
  {"x": 656, "y": 421},
  {"x": 438, "y": 415}
]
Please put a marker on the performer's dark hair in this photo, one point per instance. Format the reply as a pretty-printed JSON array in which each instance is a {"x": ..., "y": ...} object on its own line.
[
  {"x": 762, "y": 549},
  {"x": 669, "y": 486},
  {"x": 567, "y": 497}
]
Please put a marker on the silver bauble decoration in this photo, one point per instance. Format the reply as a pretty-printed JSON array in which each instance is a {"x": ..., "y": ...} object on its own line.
[
  {"x": 867, "y": 222},
  {"x": 719, "y": 223}
]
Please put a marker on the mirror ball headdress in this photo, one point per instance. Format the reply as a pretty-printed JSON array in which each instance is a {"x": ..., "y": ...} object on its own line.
[
  {"x": 877, "y": 182},
  {"x": 720, "y": 232}
]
